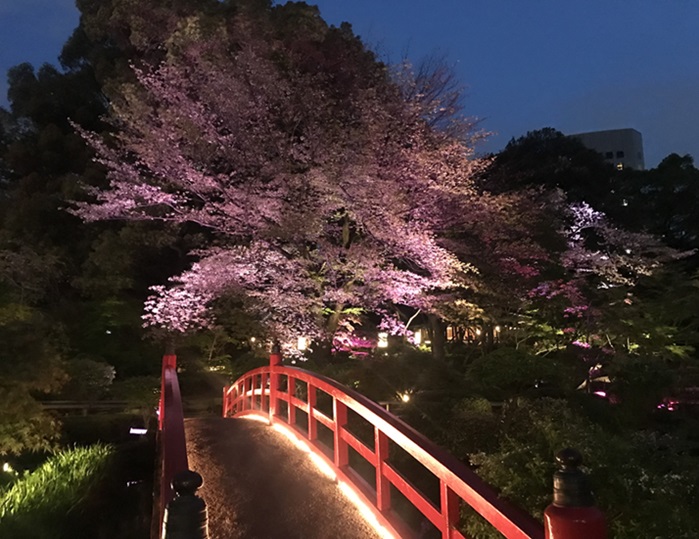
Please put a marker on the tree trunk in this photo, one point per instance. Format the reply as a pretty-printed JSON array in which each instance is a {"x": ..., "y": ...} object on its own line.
[
  {"x": 437, "y": 335},
  {"x": 334, "y": 320}
]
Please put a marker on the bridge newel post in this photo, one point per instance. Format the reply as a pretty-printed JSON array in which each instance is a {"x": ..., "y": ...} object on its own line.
[
  {"x": 169, "y": 362},
  {"x": 225, "y": 401},
  {"x": 275, "y": 360},
  {"x": 186, "y": 515},
  {"x": 573, "y": 515}
]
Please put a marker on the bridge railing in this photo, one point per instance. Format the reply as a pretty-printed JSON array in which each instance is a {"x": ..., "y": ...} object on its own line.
[
  {"x": 179, "y": 511},
  {"x": 292, "y": 397},
  {"x": 173, "y": 445}
]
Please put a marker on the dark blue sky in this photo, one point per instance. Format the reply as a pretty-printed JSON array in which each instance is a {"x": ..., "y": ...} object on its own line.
[{"x": 573, "y": 65}]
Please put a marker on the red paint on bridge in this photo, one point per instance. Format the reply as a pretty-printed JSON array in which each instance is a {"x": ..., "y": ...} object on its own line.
[
  {"x": 284, "y": 394},
  {"x": 257, "y": 488},
  {"x": 173, "y": 449}
]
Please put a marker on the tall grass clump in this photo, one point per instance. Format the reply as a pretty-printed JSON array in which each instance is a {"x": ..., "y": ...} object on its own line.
[{"x": 40, "y": 504}]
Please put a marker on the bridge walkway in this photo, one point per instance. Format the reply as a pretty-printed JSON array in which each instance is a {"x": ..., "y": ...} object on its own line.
[{"x": 257, "y": 485}]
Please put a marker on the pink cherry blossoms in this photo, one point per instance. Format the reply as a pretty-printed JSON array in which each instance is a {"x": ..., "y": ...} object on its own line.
[
  {"x": 615, "y": 256},
  {"x": 322, "y": 197}
]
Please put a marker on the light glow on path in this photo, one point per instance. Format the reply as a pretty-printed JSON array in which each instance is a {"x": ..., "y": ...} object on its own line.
[{"x": 347, "y": 489}]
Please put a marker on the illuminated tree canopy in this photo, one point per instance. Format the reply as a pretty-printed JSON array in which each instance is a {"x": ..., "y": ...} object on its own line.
[
  {"x": 329, "y": 184},
  {"x": 324, "y": 186}
]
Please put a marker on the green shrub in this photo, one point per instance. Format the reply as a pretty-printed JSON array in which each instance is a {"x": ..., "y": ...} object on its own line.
[
  {"x": 643, "y": 481},
  {"x": 471, "y": 427},
  {"x": 141, "y": 394},
  {"x": 640, "y": 383},
  {"x": 36, "y": 506},
  {"x": 386, "y": 377},
  {"x": 507, "y": 372},
  {"x": 89, "y": 379}
]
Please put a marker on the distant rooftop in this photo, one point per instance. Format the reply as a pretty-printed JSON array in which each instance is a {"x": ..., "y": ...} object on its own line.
[{"x": 621, "y": 147}]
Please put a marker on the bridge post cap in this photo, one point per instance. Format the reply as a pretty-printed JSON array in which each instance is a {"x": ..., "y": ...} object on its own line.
[
  {"x": 569, "y": 458},
  {"x": 570, "y": 484},
  {"x": 186, "y": 483}
]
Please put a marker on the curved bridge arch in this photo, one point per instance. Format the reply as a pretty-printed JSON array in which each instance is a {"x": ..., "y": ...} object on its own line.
[{"x": 276, "y": 394}]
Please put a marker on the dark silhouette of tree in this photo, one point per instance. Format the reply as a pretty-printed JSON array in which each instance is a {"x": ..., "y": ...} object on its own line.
[
  {"x": 662, "y": 201},
  {"x": 548, "y": 158}
]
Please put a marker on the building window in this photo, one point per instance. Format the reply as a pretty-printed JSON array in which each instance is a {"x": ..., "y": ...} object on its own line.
[
  {"x": 619, "y": 155},
  {"x": 609, "y": 155}
]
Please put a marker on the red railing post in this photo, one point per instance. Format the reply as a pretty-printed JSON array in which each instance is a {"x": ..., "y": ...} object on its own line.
[
  {"x": 240, "y": 395},
  {"x": 383, "y": 486},
  {"x": 450, "y": 510},
  {"x": 275, "y": 359},
  {"x": 264, "y": 398},
  {"x": 340, "y": 451},
  {"x": 312, "y": 421},
  {"x": 225, "y": 401},
  {"x": 169, "y": 362},
  {"x": 249, "y": 394},
  {"x": 291, "y": 392},
  {"x": 260, "y": 388},
  {"x": 572, "y": 515}
]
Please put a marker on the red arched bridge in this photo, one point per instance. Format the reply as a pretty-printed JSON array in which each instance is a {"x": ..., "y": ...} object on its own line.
[{"x": 322, "y": 461}]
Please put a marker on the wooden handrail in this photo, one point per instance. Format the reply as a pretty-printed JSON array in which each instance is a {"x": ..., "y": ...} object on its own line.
[
  {"x": 173, "y": 446},
  {"x": 257, "y": 393}
]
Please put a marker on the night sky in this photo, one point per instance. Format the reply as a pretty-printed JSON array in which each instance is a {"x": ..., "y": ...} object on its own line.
[{"x": 576, "y": 66}]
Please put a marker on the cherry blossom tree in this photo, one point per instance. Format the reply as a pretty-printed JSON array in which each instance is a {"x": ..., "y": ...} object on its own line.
[
  {"x": 330, "y": 186},
  {"x": 325, "y": 189},
  {"x": 600, "y": 268}
]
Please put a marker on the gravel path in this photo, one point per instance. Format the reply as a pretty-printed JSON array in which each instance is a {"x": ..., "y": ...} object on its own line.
[{"x": 257, "y": 485}]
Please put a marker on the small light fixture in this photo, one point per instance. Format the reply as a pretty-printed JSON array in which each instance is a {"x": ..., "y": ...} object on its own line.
[
  {"x": 405, "y": 397},
  {"x": 252, "y": 340},
  {"x": 417, "y": 337},
  {"x": 301, "y": 344},
  {"x": 383, "y": 340},
  {"x": 478, "y": 332},
  {"x": 497, "y": 329}
]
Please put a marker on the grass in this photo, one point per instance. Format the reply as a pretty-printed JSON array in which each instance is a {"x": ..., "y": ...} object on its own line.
[{"x": 36, "y": 505}]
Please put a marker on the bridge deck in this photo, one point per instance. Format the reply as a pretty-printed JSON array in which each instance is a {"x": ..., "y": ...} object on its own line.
[{"x": 258, "y": 485}]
